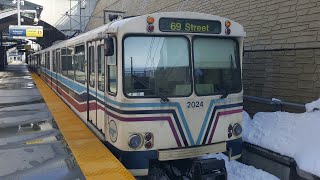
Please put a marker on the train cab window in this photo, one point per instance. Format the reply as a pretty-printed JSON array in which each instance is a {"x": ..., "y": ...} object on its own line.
[
  {"x": 54, "y": 64},
  {"x": 64, "y": 62},
  {"x": 101, "y": 68},
  {"x": 79, "y": 64},
  {"x": 70, "y": 63},
  {"x": 216, "y": 66},
  {"x": 157, "y": 66},
  {"x": 91, "y": 67},
  {"x": 112, "y": 72}
]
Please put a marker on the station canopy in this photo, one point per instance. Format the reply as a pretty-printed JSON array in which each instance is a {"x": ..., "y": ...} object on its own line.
[{"x": 8, "y": 16}]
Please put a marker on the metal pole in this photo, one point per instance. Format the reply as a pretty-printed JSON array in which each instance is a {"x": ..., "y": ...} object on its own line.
[
  {"x": 18, "y": 12},
  {"x": 2, "y": 61},
  {"x": 70, "y": 16},
  {"x": 131, "y": 73},
  {"x": 80, "y": 16}
]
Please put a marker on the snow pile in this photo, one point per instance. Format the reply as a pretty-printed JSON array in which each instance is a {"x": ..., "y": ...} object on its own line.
[
  {"x": 246, "y": 124},
  {"x": 290, "y": 134},
  {"x": 239, "y": 171},
  {"x": 315, "y": 105}
]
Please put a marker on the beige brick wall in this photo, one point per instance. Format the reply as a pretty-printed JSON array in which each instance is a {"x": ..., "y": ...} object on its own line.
[{"x": 282, "y": 57}]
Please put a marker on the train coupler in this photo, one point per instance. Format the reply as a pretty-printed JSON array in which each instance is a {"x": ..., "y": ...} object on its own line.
[{"x": 209, "y": 169}]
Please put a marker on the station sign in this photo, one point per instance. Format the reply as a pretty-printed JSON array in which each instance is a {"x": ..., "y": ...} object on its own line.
[{"x": 26, "y": 31}]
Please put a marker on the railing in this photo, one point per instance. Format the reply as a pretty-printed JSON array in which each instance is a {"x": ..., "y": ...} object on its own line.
[{"x": 277, "y": 104}]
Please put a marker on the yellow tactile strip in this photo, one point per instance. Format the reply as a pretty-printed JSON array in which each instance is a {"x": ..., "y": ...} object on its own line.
[{"x": 94, "y": 159}]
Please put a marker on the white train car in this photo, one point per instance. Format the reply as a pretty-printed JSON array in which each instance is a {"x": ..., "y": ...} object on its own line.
[{"x": 157, "y": 87}]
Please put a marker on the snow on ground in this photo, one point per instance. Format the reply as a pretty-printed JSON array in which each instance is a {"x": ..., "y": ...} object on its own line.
[
  {"x": 239, "y": 171},
  {"x": 315, "y": 105},
  {"x": 235, "y": 170},
  {"x": 290, "y": 134}
]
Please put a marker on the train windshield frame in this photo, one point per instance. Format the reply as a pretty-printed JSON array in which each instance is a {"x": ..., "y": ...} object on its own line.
[{"x": 164, "y": 76}]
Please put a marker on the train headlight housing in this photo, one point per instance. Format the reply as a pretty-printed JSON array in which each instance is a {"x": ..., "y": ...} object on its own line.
[
  {"x": 135, "y": 141},
  {"x": 237, "y": 129},
  {"x": 150, "y": 26},
  {"x": 228, "y": 30},
  {"x": 148, "y": 137}
]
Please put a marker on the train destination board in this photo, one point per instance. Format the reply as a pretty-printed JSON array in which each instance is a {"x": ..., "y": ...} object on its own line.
[{"x": 189, "y": 25}]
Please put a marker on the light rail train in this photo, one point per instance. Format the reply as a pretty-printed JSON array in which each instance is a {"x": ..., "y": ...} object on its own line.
[{"x": 156, "y": 87}]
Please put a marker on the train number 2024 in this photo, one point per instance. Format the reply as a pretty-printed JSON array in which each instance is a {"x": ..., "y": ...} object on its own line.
[{"x": 195, "y": 104}]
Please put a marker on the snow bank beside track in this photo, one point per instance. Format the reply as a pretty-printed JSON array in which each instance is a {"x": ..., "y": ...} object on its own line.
[{"x": 290, "y": 134}]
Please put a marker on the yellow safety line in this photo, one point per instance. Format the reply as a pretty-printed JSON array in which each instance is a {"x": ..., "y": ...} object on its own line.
[{"x": 94, "y": 159}]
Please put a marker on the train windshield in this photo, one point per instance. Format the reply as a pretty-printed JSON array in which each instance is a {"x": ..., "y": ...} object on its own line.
[
  {"x": 216, "y": 66},
  {"x": 157, "y": 66},
  {"x": 160, "y": 66}
]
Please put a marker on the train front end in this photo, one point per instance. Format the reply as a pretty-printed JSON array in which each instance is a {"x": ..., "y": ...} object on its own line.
[{"x": 180, "y": 91}]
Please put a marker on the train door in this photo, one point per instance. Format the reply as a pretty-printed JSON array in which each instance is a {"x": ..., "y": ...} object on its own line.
[
  {"x": 92, "y": 88},
  {"x": 101, "y": 85}
]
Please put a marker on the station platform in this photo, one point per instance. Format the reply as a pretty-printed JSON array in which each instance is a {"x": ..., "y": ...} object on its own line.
[
  {"x": 92, "y": 160},
  {"x": 31, "y": 145}
]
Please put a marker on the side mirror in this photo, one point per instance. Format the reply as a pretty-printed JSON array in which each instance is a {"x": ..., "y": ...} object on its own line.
[{"x": 108, "y": 47}]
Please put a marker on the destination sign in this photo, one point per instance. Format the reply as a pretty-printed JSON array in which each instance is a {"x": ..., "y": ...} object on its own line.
[{"x": 189, "y": 25}]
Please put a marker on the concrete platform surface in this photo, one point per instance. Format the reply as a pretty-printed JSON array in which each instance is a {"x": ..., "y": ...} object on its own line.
[{"x": 31, "y": 145}]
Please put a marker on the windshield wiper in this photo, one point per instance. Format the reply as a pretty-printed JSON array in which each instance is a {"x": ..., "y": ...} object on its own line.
[
  {"x": 228, "y": 89},
  {"x": 226, "y": 93}
]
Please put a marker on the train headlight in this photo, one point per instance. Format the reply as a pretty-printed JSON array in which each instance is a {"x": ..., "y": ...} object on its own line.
[
  {"x": 237, "y": 129},
  {"x": 135, "y": 141}
]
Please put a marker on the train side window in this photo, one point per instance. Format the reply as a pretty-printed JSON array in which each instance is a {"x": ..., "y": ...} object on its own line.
[
  {"x": 48, "y": 60},
  {"x": 70, "y": 62},
  {"x": 101, "y": 68},
  {"x": 112, "y": 72},
  {"x": 91, "y": 67},
  {"x": 49, "y": 65},
  {"x": 54, "y": 68},
  {"x": 64, "y": 62},
  {"x": 58, "y": 61},
  {"x": 41, "y": 60},
  {"x": 79, "y": 64}
]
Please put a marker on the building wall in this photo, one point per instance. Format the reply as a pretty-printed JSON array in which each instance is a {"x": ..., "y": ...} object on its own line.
[{"x": 282, "y": 58}]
